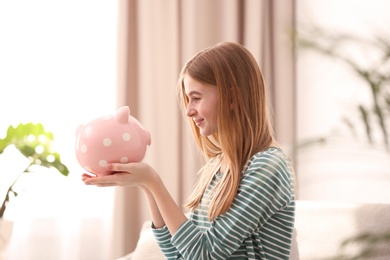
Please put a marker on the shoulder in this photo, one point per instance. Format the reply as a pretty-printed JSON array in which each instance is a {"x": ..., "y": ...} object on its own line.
[
  {"x": 270, "y": 162},
  {"x": 271, "y": 156},
  {"x": 268, "y": 174}
]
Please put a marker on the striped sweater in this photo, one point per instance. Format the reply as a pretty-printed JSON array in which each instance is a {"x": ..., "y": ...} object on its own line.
[{"x": 258, "y": 225}]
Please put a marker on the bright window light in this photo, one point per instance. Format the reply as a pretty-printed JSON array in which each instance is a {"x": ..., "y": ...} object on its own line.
[{"x": 57, "y": 67}]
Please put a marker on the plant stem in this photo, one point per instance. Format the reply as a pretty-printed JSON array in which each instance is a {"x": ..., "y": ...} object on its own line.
[
  {"x": 4, "y": 205},
  {"x": 10, "y": 189}
]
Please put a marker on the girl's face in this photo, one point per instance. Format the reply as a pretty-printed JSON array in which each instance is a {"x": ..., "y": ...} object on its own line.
[{"x": 202, "y": 105}]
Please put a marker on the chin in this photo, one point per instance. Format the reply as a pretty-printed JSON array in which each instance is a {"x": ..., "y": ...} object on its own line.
[{"x": 206, "y": 132}]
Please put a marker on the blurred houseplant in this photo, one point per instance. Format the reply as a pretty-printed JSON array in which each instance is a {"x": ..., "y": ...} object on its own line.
[
  {"x": 369, "y": 245},
  {"x": 373, "y": 70},
  {"x": 37, "y": 146}
]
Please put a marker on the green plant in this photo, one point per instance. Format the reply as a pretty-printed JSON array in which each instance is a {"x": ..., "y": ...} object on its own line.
[
  {"x": 368, "y": 245},
  {"x": 36, "y": 144},
  {"x": 373, "y": 70},
  {"x": 372, "y": 67}
]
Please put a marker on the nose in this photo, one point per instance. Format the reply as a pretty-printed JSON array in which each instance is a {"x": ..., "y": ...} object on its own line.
[{"x": 190, "y": 111}]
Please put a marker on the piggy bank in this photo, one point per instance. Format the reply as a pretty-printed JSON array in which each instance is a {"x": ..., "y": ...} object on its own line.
[{"x": 117, "y": 138}]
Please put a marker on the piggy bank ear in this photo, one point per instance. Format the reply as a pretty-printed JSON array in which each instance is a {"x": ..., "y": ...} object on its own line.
[{"x": 122, "y": 115}]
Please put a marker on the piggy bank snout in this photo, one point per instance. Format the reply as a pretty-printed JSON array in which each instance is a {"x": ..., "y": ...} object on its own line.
[{"x": 148, "y": 138}]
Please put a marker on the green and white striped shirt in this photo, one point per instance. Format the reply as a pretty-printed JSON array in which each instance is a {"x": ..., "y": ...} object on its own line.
[{"x": 258, "y": 225}]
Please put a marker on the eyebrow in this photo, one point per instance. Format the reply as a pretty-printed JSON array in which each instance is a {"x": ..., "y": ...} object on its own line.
[{"x": 194, "y": 92}]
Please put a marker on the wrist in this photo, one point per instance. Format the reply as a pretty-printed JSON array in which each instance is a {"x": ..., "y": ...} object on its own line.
[
  {"x": 155, "y": 186},
  {"x": 152, "y": 180}
]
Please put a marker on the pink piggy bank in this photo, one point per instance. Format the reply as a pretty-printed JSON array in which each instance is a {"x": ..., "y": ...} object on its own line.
[{"x": 118, "y": 138}]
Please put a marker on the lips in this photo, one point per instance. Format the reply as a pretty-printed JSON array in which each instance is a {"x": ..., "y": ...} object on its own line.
[{"x": 198, "y": 121}]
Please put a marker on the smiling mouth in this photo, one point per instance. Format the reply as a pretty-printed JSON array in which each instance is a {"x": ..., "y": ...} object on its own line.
[{"x": 198, "y": 122}]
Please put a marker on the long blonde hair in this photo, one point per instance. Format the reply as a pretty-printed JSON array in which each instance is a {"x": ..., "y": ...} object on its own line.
[{"x": 244, "y": 126}]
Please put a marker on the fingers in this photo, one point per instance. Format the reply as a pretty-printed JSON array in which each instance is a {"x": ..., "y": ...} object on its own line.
[
  {"x": 98, "y": 180},
  {"x": 86, "y": 176},
  {"x": 118, "y": 167},
  {"x": 129, "y": 174},
  {"x": 102, "y": 181},
  {"x": 104, "y": 184},
  {"x": 126, "y": 167}
]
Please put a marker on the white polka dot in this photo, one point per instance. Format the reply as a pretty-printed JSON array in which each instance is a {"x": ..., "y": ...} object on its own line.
[
  {"x": 106, "y": 141},
  {"x": 102, "y": 163},
  {"x": 126, "y": 137},
  {"x": 124, "y": 159},
  {"x": 84, "y": 148}
]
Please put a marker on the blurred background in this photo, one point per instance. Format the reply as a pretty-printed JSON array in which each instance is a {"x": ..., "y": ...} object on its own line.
[{"x": 64, "y": 63}]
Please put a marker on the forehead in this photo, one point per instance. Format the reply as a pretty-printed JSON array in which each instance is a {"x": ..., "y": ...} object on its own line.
[{"x": 192, "y": 86}]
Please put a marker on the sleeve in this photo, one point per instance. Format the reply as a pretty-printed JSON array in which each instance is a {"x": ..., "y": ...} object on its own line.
[
  {"x": 163, "y": 238},
  {"x": 265, "y": 189}
]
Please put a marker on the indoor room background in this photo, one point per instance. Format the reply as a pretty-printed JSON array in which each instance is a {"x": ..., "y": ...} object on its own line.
[{"x": 63, "y": 63}]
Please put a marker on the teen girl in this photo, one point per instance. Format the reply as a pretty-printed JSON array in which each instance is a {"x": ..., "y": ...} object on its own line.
[{"x": 243, "y": 204}]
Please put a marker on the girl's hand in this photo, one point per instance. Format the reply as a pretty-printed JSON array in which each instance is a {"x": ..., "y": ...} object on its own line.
[{"x": 130, "y": 174}]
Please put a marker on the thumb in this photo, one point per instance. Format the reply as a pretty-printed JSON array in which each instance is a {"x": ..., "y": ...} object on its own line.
[{"x": 115, "y": 167}]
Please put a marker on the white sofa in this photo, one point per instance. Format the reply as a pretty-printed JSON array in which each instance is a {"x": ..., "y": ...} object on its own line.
[{"x": 320, "y": 229}]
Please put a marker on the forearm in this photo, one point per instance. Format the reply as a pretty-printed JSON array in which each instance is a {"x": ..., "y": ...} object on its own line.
[
  {"x": 163, "y": 208},
  {"x": 155, "y": 214},
  {"x": 171, "y": 214}
]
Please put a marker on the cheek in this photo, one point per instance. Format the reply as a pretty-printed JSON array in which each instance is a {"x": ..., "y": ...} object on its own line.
[
  {"x": 215, "y": 110},
  {"x": 215, "y": 116},
  {"x": 212, "y": 118}
]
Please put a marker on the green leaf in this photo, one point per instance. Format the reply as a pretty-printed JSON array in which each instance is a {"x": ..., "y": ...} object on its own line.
[{"x": 36, "y": 144}]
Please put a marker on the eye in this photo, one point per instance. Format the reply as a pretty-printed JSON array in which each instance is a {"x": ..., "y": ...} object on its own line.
[{"x": 193, "y": 100}]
